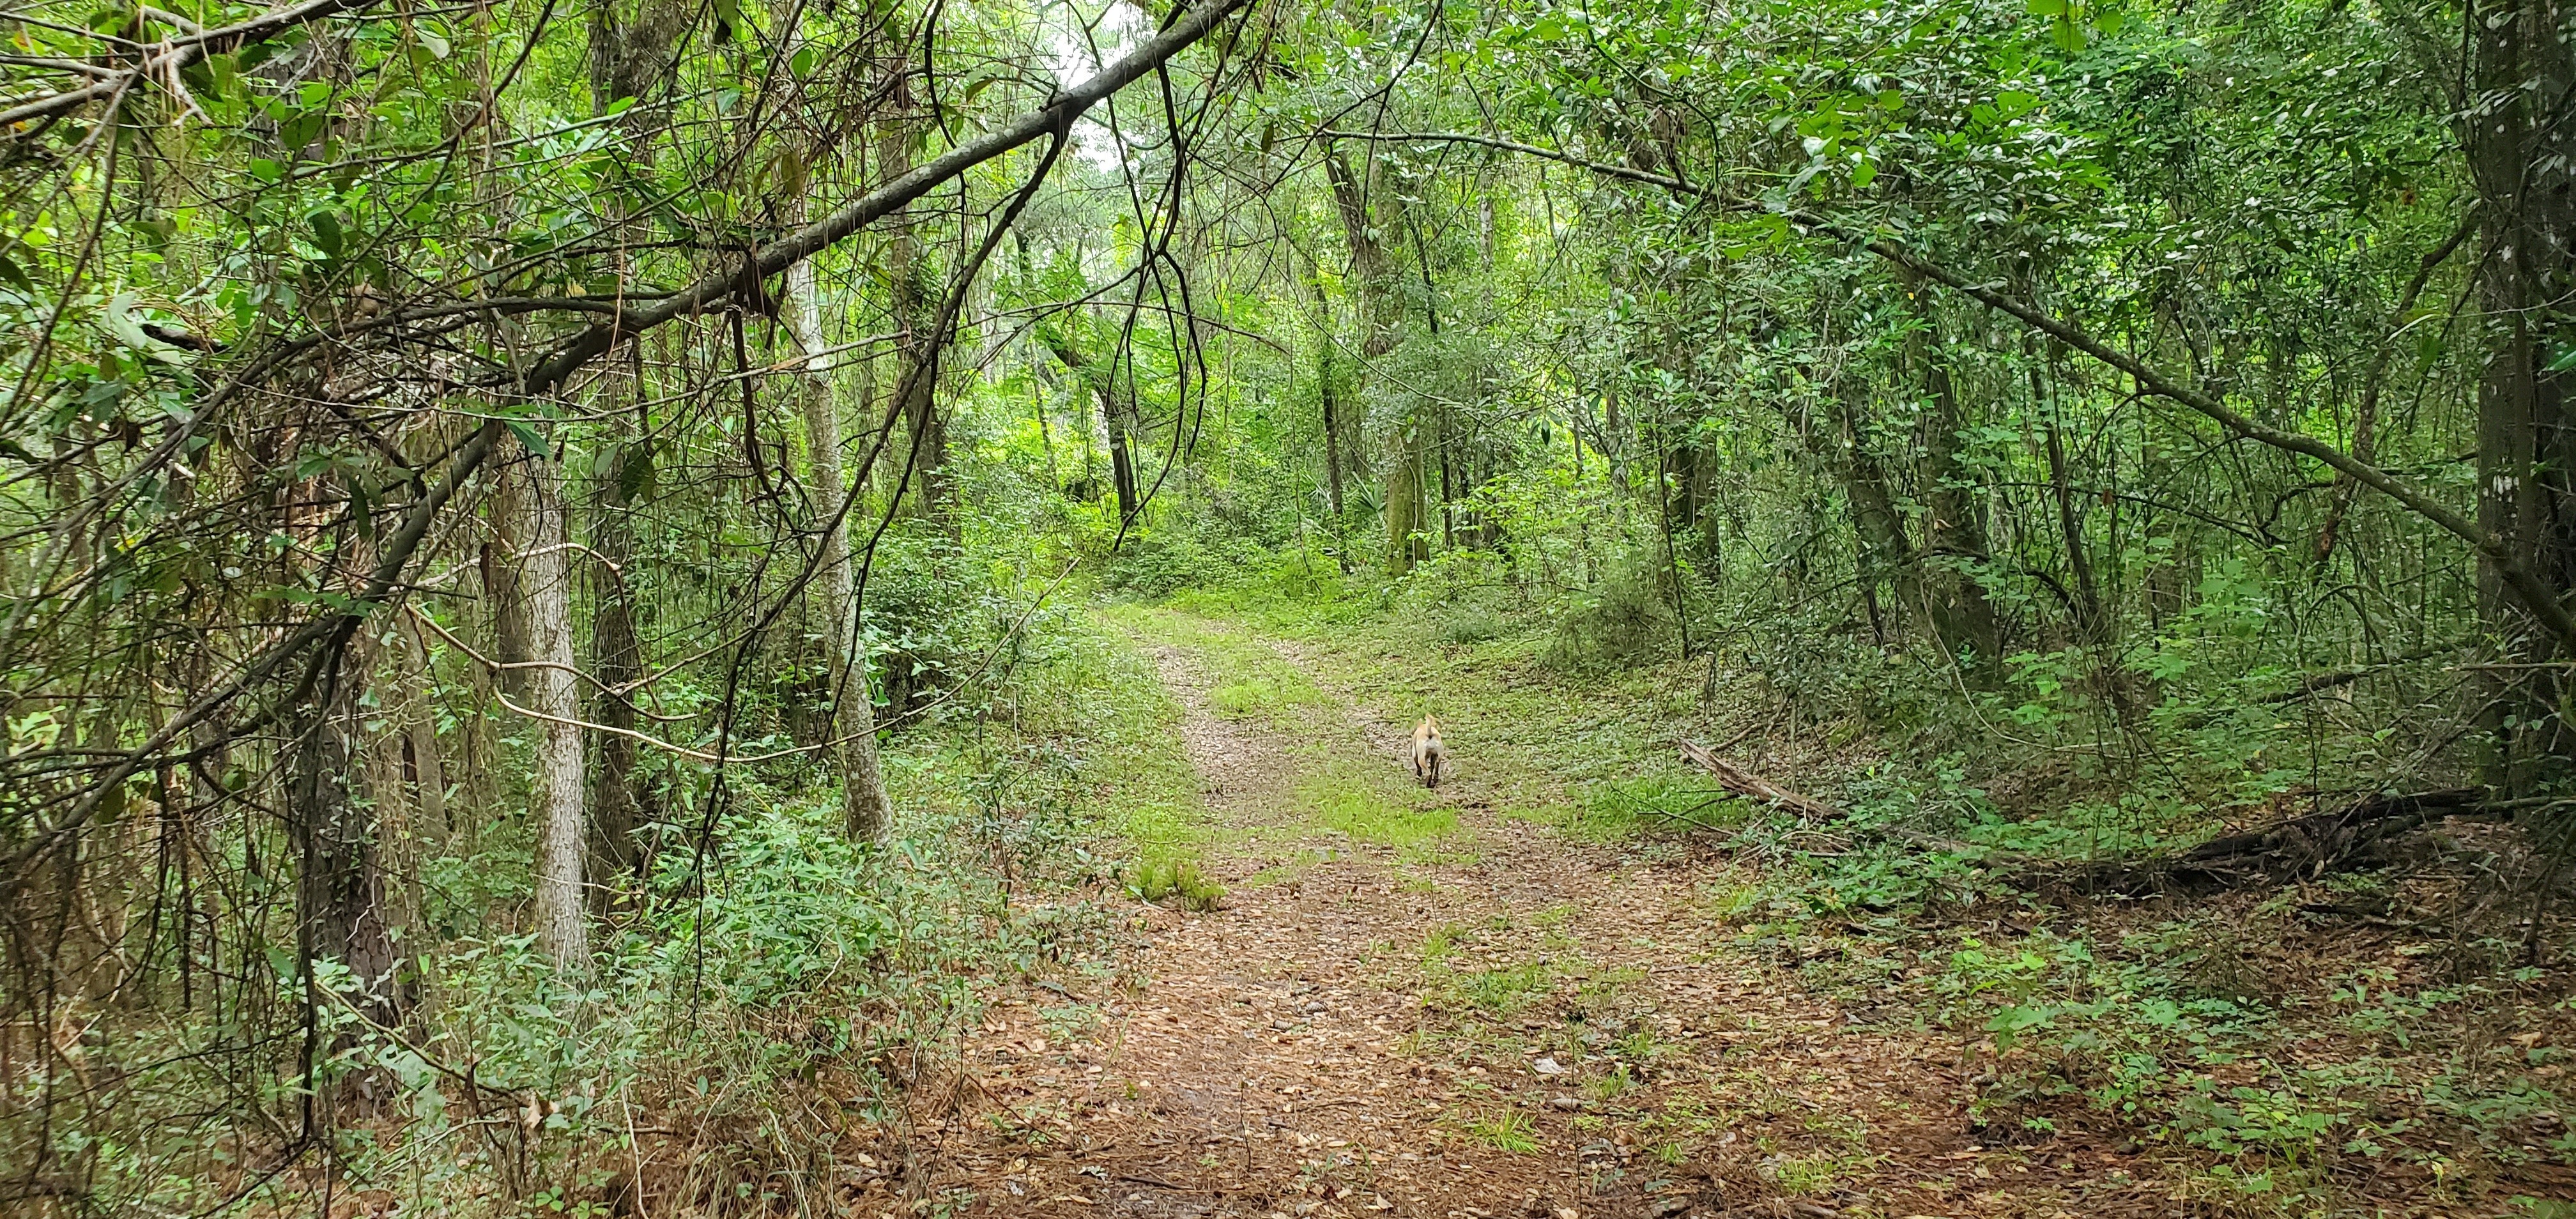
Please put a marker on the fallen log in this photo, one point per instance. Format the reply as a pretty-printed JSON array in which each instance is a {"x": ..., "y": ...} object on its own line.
[{"x": 2297, "y": 849}]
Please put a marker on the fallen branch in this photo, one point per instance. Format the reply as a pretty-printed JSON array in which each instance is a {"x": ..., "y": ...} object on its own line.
[{"x": 1741, "y": 782}]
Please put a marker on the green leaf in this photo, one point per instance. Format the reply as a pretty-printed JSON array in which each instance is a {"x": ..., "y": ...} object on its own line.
[
  {"x": 2564, "y": 360},
  {"x": 1862, "y": 173},
  {"x": 632, "y": 470},
  {"x": 327, "y": 235},
  {"x": 266, "y": 170},
  {"x": 528, "y": 435},
  {"x": 362, "y": 512},
  {"x": 436, "y": 46},
  {"x": 17, "y": 277},
  {"x": 2070, "y": 36},
  {"x": 802, "y": 63},
  {"x": 299, "y": 131}
]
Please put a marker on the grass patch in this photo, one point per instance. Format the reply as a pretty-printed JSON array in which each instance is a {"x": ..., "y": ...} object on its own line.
[
  {"x": 1132, "y": 758},
  {"x": 1369, "y": 816},
  {"x": 1263, "y": 696},
  {"x": 1508, "y": 988},
  {"x": 1509, "y": 1130},
  {"x": 1442, "y": 943},
  {"x": 1156, "y": 880},
  {"x": 1258, "y": 683}
]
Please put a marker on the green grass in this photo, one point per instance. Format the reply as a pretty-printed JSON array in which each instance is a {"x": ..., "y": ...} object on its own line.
[
  {"x": 1142, "y": 785},
  {"x": 1175, "y": 878},
  {"x": 1587, "y": 753},
  {"x": 1509, "y": 1130},
  {"x": 1368, "y": 815},
  {"x": 1256, "y": 683},
  {"x": 1508, "y": 989},
  {"x": 1264, "y": 696}
]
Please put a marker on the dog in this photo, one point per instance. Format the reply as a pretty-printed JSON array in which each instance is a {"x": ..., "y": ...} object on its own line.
[{"x": 1428, "y": 756}]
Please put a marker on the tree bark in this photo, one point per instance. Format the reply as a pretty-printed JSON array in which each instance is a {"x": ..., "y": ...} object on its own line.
[
  {"x": 340, "y": 886},
  {"x": 617, "y": 659},
  {"x": 866, "y": 812},
  {"x": 1117, "y": 412},
  {"x": 1954, "y": 529},
  {"x": 1332, "y": 425},
  {"x": 2519, "y": 149},
  {"x": 1885, "y": 552},
  {"x": 1382, "y": 315},
  {"x": 631, "y": 52},
  {"x": 562, "y": 787}
]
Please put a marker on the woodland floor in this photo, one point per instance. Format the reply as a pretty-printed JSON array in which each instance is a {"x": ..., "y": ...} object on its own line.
[{"x": 1502, "y": 1021}]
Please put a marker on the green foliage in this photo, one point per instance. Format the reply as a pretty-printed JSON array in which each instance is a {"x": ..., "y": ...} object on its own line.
[
  {"x": 1175, "y": 878},
  {"x": 1627, "y": 619}
]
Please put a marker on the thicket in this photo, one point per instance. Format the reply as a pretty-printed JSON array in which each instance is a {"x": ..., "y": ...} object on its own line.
[{"x": 533, "y": 544}]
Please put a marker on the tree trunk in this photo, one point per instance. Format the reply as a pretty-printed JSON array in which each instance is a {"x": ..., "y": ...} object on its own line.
[
  {"x": 1954, "y": 528},
  {"x": 1117, "y": 412},
  {"x": 1885, "y": 553},
  {"x": 1404, "y": 540},
  {"x": 617, "y": 807},
  {"x": 562, "y": 788},
  {"x": 1382, "y": 317},
  {"x": 1332, "y": 426},
  {"x": 2519, "y": 151},
  {"x": 866, "y": 813},
  {"x": 630, "y": 55},
  {"x": 340, "y": 886},
  {"x": 914, "y": 312}
]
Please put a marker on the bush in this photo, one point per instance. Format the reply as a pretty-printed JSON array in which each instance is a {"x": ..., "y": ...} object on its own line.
[{"x": 1625, "y": 620}]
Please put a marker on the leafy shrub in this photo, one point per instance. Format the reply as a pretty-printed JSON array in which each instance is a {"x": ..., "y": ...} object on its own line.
[{"x": 1626, "y": 620}]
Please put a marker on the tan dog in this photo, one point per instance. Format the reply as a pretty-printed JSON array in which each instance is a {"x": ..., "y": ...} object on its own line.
[{"x": 1428, "y": 756}]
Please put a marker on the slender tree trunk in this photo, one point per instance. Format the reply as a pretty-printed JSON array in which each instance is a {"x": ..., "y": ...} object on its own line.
[
  {"x": 1954, "y": 528},
  {"x": 631, "y": 51},
  {"x": 914, "y": 313},
  {"x": 1382, "y": 319},
  {"x": 866, "y": 813},
  {"x": 617, "y": 660},
  {"x": 1332, "y": 428},
  {"x": 1885, "y": 553},
  {"x": 2070, "y": 529},
  {"x": 1404, "y": 539},
  {"x": 1117, "y": 411},
  {"x": 562, "y": 787},
  {"x": 423, "y": 763},
  {"x": 508, "y": 609}
]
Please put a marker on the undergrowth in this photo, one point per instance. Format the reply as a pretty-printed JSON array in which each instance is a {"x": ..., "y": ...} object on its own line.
[{"x": 782, "y": 987}]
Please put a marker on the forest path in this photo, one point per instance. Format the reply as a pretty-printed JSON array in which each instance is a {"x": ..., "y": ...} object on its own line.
[{"x": 1397, "y": 1013}]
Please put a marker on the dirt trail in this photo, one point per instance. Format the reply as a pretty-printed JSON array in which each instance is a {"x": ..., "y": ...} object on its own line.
[{"x": 1509, "y": 1024}]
